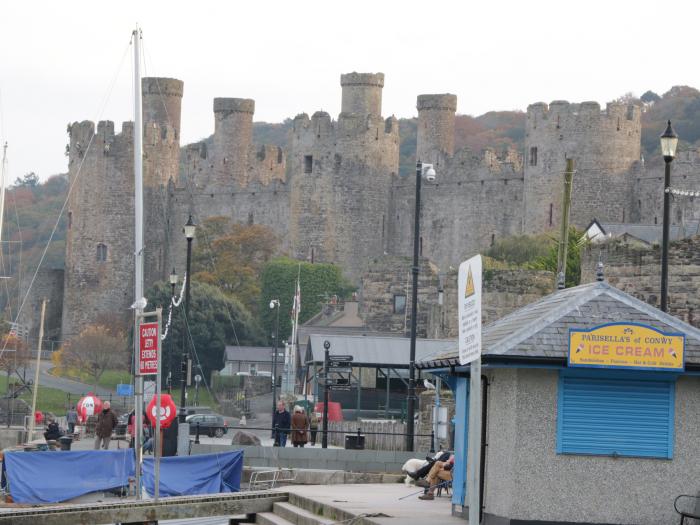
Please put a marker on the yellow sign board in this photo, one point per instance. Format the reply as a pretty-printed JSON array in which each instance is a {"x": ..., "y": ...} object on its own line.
[{"x": 626, "y": 345}]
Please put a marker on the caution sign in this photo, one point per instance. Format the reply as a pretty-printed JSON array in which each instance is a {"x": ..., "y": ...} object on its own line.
[
  {"x": 469, "y": 280},
  {"x": 148, "y": 348}
]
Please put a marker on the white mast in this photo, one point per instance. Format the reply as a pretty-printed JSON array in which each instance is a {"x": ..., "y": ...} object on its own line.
[{"x": 138, "y": 253}]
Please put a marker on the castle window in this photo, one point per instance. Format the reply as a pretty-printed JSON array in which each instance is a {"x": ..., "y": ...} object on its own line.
[
  {"x": 639, "y": 206},
  {"x": 551, "y": 213},
  {"x": 399, "y": 304},
  {"x": 655, "y": 221},
  {"x": 493, "y": 239},
  {"x": 251, "y": 218},
  {"x": 533, "y": 156},
  {"x": 101, "y": 252},
  {"x": 308, "y": 163},
  {"x": 70, "y": 219}
]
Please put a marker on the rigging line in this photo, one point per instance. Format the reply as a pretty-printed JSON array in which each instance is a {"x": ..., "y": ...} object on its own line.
[
  {"x": 70, "y": 190},
  {"x": 21, "y": 248},
  {"x": 194, "y": 349},
  {"x": 2, "y": 251}
]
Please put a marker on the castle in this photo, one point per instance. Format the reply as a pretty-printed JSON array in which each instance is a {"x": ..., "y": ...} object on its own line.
[{"x": 334, "y": 194}]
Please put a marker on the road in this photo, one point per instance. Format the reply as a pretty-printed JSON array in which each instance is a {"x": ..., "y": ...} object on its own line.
[{"x": 67, "y": 385}]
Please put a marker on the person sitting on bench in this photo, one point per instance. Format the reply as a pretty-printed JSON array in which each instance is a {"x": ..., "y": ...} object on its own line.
[{"x": 441, "y": 472}]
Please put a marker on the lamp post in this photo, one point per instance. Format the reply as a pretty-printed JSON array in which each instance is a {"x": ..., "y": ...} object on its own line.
[
  {"x": 274, "y": 303},
  {"x": 669, "y": 142},
  {"x": 173, "y": 281},
  {"x": 188, "y": 230},
  {"x": 427, "y": 171}
]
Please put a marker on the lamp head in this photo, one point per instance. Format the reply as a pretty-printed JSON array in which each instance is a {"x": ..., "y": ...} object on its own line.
[
  {"x": 273, "y": 303},
  {"x": 669, "y": 143},
  {"x": 173, "y": 277},
  {"x": 429, "y": 172},
  {"x": 189, "y": 228}
]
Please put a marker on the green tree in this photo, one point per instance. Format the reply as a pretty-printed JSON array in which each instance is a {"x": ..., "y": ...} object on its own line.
[
  {"x": 215, "y": 320},
  {"x": 577, "y": 241},
  {"x": 318, "y": 282}
]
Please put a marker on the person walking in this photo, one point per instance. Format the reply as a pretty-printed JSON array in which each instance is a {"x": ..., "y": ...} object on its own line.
[
  {"x": 106, "y": 422},
  {"x": 281, "y": 421},
  {"x": 300, "y": 426},
  {"x": 71, "y": 419},
  {"x": 313, "y": 428}
]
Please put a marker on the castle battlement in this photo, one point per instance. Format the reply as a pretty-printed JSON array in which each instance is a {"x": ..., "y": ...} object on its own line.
[{"x": 562, "y": 113}]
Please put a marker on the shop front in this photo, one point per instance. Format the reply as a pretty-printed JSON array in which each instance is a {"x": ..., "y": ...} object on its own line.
[{"x": 591, "y": 414}]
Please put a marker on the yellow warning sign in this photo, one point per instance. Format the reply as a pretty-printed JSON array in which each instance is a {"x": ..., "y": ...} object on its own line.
[{"x": 469, "y": 289}]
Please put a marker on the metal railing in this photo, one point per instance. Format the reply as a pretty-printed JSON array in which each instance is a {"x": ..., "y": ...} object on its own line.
[{"x": 274, "y": 431}]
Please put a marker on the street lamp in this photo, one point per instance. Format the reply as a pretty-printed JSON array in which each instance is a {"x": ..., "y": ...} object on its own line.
[
  {"x": 188, "y": 230},
  {"x": 669, "y": 142},
  {"x": 427, "y": 171},
  {"x": 173, "y": 281},
  {"x": 274, "y": 303}
]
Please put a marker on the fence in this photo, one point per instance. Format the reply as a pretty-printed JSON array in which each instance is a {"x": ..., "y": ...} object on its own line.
[{"x": 374, "y": 432}]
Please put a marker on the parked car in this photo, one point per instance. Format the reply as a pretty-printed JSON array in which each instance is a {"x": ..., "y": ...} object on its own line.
[
  {"x": 197, "y": 410},
  {"x": 209, "y": 424}
]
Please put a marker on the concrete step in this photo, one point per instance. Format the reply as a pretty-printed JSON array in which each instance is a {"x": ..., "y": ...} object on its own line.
[
  {"x": 268, "y": 518},
  {"x": 298, "y": 516}
]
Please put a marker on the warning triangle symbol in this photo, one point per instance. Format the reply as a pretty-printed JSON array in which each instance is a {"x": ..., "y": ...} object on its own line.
[{"x": 469, "y": 290}]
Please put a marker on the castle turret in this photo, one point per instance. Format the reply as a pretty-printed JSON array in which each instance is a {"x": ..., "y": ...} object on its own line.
[
  {"x": 436, "y": 127},
  {"x": 162, "y": 102},
  {"x": 233, "y": 137},
  {"x": 362, "y": 93}
]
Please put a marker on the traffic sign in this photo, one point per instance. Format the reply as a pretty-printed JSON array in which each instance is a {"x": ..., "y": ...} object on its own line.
[{"x": 335, "y": 388}]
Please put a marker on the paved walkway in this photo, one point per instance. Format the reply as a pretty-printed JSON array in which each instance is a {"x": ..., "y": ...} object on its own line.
[{"x": 382, "y": 498}]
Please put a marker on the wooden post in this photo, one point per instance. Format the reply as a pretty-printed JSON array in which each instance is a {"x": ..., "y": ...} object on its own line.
[{"x": 32, "y": 419}]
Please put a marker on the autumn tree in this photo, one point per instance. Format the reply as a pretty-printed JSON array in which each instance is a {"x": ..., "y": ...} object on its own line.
[
  {"x": 231, "y": 256},
  {"x": 98, "y": 348},
  {"x": 14, "y": 355}
]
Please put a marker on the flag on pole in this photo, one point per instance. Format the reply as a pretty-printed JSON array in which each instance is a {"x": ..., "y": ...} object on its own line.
[{"x": 296, "y": 304}]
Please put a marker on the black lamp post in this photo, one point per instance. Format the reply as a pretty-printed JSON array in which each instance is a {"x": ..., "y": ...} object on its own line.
[
  {"x": 173, "y": 281},
  {"x": 669, "y": 143},
  {"x": 274, "y": 303},
  {"x": 188, "y": 230},
  {"x": 427, "y": 171}
]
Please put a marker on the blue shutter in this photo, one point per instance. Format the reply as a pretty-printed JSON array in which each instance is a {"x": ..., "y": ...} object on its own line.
[{"x": 615, "y": 416}]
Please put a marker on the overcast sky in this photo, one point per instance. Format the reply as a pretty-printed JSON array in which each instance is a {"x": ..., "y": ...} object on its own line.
[{"x": 57, "y": 59}]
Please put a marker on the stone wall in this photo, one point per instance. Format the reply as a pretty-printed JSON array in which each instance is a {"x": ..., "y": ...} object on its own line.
[
  {"x": 637, "y": 271},
  {"x": 427, "y": 401}
]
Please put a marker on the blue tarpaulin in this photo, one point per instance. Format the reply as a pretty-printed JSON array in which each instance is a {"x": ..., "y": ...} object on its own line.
[
  {"x": 203, "y": 474},
  {"x": 50, "y": 477}
]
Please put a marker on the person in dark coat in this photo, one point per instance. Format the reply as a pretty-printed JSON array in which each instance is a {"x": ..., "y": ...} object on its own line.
[
  {"x": 71, "y": 419},
  {"x": 52, "y": 431},
  {"x": 281, "y": 423},
  {"x": 300, "y": 426},
  {"x": 106, "y": 422}
]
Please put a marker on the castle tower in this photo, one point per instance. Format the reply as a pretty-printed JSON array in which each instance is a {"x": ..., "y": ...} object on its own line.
[
  {"x": 233, "y": 137},
  {"x": 162, "y": 101},
  {"x": 340, "y": 178},
  {"x": 362, "y": 93},
  {"x": 605, "y": 146},
  {"x": 99, "y": 262},
  {"x": 436, "y": 127}
]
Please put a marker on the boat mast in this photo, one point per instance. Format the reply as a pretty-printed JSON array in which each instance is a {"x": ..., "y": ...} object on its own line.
[
  {"x": 2, "y": 189},
  {"x": 138, "y": 253}
]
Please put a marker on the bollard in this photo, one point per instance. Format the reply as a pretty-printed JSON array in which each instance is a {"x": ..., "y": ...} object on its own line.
[
  {"x": 432, "y": 441},
  {"x": 196, "y": 436}
]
